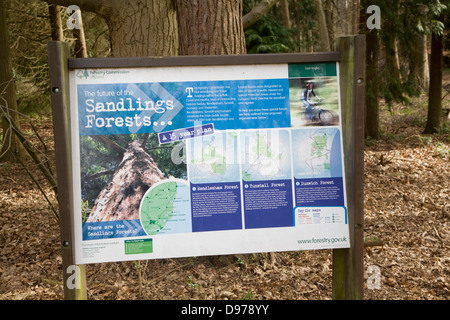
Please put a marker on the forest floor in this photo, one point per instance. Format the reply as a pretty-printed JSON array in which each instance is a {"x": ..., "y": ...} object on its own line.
[{"x": 407, "y": 207}]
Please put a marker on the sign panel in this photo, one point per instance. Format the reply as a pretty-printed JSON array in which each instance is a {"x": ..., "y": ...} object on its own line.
[{"x": 207, "y": 160}]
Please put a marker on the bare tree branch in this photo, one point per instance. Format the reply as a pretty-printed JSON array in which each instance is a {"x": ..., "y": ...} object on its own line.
[
  {"x": 98, "y": 174},
  {"x": 110, "y": 144},
  {"x": 55, "y": 213},
  {"x": 29, "y": 147},
  {"x": 258, "y": 12},
  {"x": 55, "y": 22}
]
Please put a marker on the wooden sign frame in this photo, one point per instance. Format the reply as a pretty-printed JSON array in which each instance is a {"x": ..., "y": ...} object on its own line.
[{"x": 348, "y": 273}]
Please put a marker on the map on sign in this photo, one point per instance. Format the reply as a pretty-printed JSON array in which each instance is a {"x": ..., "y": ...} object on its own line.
[
  {"x": 214, "y": 158},
  {"x": 317, "y": 153},
  {"x": 266, "y": 155},
  {"x": 165, "y": 208}
]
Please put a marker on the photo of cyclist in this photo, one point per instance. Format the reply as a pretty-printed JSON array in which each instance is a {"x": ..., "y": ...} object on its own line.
[
  {"x": 308, "y": 103},
  {"x": 314, "y": 101}
]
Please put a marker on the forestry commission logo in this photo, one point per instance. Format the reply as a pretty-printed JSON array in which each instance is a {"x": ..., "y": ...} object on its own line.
[
  {"x": 91, "y": 74},
  {"x": 82, "y": 74},
  {"x": 85, "y": 74}
]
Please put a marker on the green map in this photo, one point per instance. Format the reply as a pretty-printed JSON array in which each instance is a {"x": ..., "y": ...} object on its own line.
[
  {"x": 165, "y": 208},
  {"x": 319, "y": 149},
  {"x": 313, "y": 156},
  {"x": 157, "y": 207}
]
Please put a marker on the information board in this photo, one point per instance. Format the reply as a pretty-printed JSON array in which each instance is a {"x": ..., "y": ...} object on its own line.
[{"x": 206, "y": 160}]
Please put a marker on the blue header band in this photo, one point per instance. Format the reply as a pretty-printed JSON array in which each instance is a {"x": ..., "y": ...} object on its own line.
[{"x": 159, "y": 107}]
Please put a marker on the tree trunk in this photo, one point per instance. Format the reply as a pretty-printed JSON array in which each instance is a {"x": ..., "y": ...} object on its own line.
[
  {"x": 121, "y": 198},
  {"x": 323, "y": 29},
  {"x": 342, "y": 15},
  {"x": 392, "y": 77},
  {"x": 392, "y": 59},
  {"x": 285, "y": 14},
  {"x": 372, "y": 118},
  {"x": 11, "y": 146},
  {"x": 355, "y": 14},
  {"x": 419, "y": 61},
  {"x": 138, "y": 28},
  {"x": 210, "y": 27},
  {"x": 330, "y": 23},
  {"x": 372, "y": 121},
  {"x": 348, "y": 16},
  {"x": 80, "y": 40},
  {"x": 55, "y": 23},
  {"x": 434, "y": 119},
  {"x": 143, "y": 28}
]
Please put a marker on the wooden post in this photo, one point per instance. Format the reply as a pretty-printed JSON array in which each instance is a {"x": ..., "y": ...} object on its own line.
[
  {"x": 348, "y": 267},
  {"x": 73, "y": 275}
]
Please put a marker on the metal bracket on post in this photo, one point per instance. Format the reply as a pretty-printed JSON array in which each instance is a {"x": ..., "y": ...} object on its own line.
[
  {"x": 348, "y": 266},
  {"x": 73, "y": 275}
]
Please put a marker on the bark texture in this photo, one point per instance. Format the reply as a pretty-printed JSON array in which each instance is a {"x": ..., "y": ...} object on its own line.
[
  {"x": 142, "y": 28},
  {"x": 323, "y": 29},
  {"x": 138, "y": 28},
  {"x": 121, "y": 198},
  {"x": 419, "y": 61},
  {"x": 210, "y": 27},
  {"x": 56, "y": 25}
]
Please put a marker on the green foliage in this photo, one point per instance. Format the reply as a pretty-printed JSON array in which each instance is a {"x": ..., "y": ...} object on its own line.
[
  {"x": 96, "y": 158},
  {"x": 269, "y": 36},
  {"x": 402, "y": 22},
  {"x": 424, "y": 16},
  {"x": 248, "y": 296},
  {"x": 191, "y": 283},
  {"x": 304, "y": 23},
  {"x": 85, "y": 210},
  {"x": 163, "y": 157}
]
